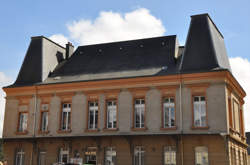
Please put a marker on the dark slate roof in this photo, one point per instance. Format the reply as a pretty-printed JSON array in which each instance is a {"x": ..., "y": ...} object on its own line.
[
  {"x": 32, "y": 65},
  {"x": 204, "y": 48},
  {"x": 248, "y": 142},
  {"x": 204, "y": 51},
  {"x": 133, "y": 58}
]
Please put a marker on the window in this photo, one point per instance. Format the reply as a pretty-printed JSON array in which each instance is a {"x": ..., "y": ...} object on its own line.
[
  {"x": 23, "y": 122},
  {"x": 139, "y": 113},
  {"x": 236, "y": 111},
  {"x": 111, "y": 114},
  {"x": 19, "y": 157},
  {"x": 139, "y": 155},
  {"x": 42, "y": 158},
  {"x": 168, "y": 112},
  {"x": 110, "y": 156},
  {"x": 66, "y": 116},
  {"x": 199, "y": 103},
  {"x": 201, "y": 156},
  {"x": 93, "y": 115},
  {"x": 44, "y": 118},
  {"x": 90, "y": 155},
  {"x": 63, "y": 155},
  {"x": 169, "y": 155}
]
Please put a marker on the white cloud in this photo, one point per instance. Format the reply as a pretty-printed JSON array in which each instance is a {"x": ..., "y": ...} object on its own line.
[
  {"x": 60, "y": 39},
  {"x": 111, "y": 26},
  {"x": 4, "y": 80},
  {"x": 241, "y": 70}
]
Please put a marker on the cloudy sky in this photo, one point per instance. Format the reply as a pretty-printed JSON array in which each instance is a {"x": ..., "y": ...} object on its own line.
[{"x": 85, "y": 22}]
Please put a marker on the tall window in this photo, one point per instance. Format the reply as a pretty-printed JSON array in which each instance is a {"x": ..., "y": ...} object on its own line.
[
  {"x": 93, "y": 115},
  {"x": 19, "y": 160},
  {"x": 236, "y": 111},
  {"x": 66, "y": 117},
  {"x": 169, "y": 112},
  {"x": 111, "y": 114},
  {"x": 63, "y": 155},
  {"x": 44, "y": 117},
  {"x": 199, "y": 103},
  {"x": 169, "y": 155},
  {"x": 139, "y": 155},
  {"x": 90, "y": 155},
  {"x": 139, "y": 113},
  {"x": 23, "y": 122},
  {"x": 201, "y": 155},
  {"x": 42, "y": 158},
  {"x": 110, "y": 156}
]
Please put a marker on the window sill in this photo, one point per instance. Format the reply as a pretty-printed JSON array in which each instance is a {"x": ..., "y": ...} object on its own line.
[
  {"x": 169, "y": 128},
  {"x": 91, "y": 130},
  {"x": 43, "y": 132},
  {"x": 64, "y": 131},
  {"x": 110, "y": 129},
  {"x": 139, "y": 129},
  {"x": 22, "y": 133},
  {"x": 200, "y": 128}
]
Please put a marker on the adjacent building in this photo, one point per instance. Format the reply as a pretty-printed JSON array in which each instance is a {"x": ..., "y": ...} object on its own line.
[{"x": 139, "y": 102}]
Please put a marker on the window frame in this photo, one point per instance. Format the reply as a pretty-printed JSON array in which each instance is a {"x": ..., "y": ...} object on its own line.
[
  {"x": 22, "y": 156},
  {"x": 105, "y": 155},
  {"x": 41, "y": 131},
  {"x": 163, "y": 113},
  {"x": 106, "y": 128},
  {"x": 60, "y": 157},
  {"x": 195, "y": 153},
  {"x": 61, "y": 115},
  {"x": 87, "y": 115},
  {"x": 141, "y": 150},
  {"x": 173, "y": 149},
  {"x": 39, "y": 156},
  {"x": 18, "y": 125},
  {"x": 235, "y": 101},
  {"x": 202, "y": 94},
  {"x": 133, "y": 114}
]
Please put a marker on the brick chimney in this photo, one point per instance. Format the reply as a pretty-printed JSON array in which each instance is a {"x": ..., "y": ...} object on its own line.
[{"x": 69, "y": 50}]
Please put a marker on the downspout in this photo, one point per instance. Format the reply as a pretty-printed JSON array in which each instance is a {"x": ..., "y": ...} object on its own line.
[
  {"x": 34, "y": 126},
  {"x": 181, "y": 120}
]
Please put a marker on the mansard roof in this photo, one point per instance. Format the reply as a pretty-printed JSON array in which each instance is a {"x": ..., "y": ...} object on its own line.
[{"x": 204, "y": 51}]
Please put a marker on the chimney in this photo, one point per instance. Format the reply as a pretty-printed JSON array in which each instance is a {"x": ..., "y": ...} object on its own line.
[{"x": 69, "y": 50}]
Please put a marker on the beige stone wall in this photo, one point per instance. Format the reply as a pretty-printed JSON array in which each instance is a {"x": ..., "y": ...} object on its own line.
[
  {"x": 216, "y": 112},
  {"x": 124, "y": 145}
]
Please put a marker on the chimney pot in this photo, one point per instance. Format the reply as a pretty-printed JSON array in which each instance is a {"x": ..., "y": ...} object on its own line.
[{"x": 69, "y": 50}]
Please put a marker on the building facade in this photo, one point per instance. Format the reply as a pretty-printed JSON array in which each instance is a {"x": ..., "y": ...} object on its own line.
[{"x": 140, "y": 102}]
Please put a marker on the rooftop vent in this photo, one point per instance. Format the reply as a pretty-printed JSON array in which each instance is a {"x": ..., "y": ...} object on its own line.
[
  {"x": 164, "y": 68},
  {"x": 57, "y": 78}
]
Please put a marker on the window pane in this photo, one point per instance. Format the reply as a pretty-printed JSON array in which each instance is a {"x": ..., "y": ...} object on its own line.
[
  {"x": 137, "y": 118},
  {"x": 199, "y": 111},
  {"x": 110, "y": 156},
  {"x": 170, "y": 155},
  {"x": 111, "y": 114},
  {"x": 93, "y": 115},
  {"x": 42, "y": 158},
  {"x": 139, "y": 155},
  {"x": 91, "y": 119},
  {"x": 23, "y": 122},
  {"x": 44, "y": 124},
  {"x": 96, "y": 119},
  {"x": 201, "y": 156},
  {"x": 169, "y": 112},
  {"x": 20, "y": 157}
]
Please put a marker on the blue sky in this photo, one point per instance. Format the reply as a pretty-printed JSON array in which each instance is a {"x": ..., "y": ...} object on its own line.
[{"x": 22, "y": 19}]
